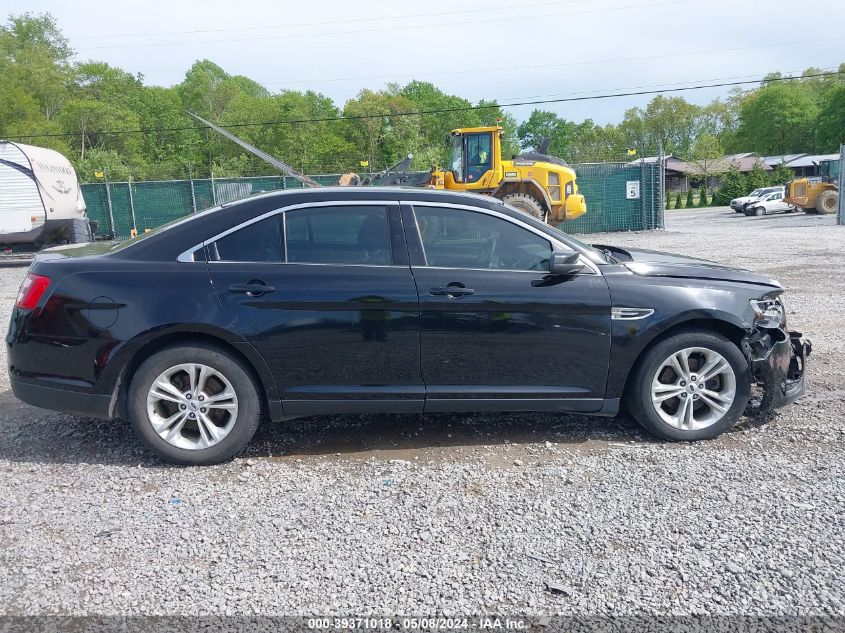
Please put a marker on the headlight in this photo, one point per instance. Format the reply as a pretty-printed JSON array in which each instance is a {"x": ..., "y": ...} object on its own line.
[{"x": 768, "y": 313}]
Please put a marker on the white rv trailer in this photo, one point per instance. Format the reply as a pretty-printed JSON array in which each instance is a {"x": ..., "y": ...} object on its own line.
[{"x": 40, "y": 200}]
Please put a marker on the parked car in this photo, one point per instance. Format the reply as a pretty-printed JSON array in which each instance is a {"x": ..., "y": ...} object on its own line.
[
  {"x": 374, "y": 300},
  {"x": 739, "y": 204},
  {"x": 768, "y": 204}
]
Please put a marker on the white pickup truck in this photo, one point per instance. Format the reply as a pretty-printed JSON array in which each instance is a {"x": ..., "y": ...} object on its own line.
[
  {"x": 739, "y": 204},
  {"x": 768, "y": 204}
]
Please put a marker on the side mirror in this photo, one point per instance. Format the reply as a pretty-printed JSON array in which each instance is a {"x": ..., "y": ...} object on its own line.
[{"x": 561, "y": 263}]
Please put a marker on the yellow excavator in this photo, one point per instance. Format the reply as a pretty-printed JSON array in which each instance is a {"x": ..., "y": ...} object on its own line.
[{"x": 540, "y": 185}]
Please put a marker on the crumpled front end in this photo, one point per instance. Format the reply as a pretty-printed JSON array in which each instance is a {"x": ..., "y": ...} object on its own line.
[{"x": 777, "y": 357}]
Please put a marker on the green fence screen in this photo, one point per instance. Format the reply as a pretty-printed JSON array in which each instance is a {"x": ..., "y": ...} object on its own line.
[{"x": 118, "y": 207}]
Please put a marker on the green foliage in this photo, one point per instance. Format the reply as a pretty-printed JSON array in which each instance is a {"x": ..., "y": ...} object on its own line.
[
  {"x": 755, "y": 178},
  {"x": 702, "y": 198},
  {"x": 689, "y": 203},
  {"x": 91, "y": 111},
  {"x": 678, "y": 201},
  {"x": 543, "y": 124},
  {"x": 778, "y": 119},
  {"x": 780, "y": 175},
  {"x": 734, "y": 185},
  {"x": 830, "y": 127}
]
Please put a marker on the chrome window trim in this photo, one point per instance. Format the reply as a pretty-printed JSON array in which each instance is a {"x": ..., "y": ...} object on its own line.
[
  {"x": 503, "y": 216},
  {"x": 618, "y": 313},
  {"x": 187, "y": 256}
]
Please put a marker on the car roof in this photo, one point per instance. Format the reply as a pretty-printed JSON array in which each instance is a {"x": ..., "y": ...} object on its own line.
[
  {"x": 374, "y": 192},
  {"x": 186, "y": 232}
]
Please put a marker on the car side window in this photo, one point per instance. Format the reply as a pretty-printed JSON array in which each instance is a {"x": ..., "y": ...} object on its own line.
[
  {"x": 257, "y": 242},
  {"x": 458, "y": 238},
  {"x": 338, "y": 235}
]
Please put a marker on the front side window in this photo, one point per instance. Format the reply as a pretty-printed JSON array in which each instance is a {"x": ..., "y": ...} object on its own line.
[
  {"x": 456, "y": 158},
  {"x": 257, "y": 242},
  {"x": 338, "y": 235},
  {"x": 479, "y": 155},
  {"x": 458, "y": 238}
]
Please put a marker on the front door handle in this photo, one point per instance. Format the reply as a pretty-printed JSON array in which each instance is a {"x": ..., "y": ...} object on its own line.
[
  {"x": 451, "y": 291},
  {"x": 252, "y": 289}
]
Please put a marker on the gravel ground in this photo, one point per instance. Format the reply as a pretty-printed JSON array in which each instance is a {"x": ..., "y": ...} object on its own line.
[{"x": 460, "y": 513}]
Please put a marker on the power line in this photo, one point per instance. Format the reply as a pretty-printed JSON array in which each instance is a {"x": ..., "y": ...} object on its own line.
[
  {"x": 663, "y": 85},
  {"x": 368, "y": 19},
  {"x": 587, "y": 62},
  {"x": 387, "y": 115},
  {"x": 392, "y": 28}
]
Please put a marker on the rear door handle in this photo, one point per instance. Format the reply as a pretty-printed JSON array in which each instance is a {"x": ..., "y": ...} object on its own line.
[
  {"x": 452, "y": 291},
  {"x": 252, "y": 289}
]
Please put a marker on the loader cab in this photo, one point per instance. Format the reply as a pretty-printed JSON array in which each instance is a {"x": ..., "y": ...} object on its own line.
[{"x": 474, "y": 157}]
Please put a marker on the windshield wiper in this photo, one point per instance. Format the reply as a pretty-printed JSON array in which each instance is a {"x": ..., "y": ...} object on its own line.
[{"x": 610, "y": 258}]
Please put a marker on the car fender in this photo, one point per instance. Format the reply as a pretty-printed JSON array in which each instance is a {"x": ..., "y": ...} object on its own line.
[{"x": 128, "y": 354}]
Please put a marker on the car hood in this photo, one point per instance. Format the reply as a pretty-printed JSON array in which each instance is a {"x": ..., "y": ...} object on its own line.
[{"x": 657, "y": 264}]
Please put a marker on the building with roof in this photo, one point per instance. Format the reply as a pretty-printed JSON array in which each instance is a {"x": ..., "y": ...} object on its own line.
[{"x": 681, "y": 175}]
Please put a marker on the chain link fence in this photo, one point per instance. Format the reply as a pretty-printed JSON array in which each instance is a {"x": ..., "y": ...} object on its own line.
[{"x": 620, "y": 197}]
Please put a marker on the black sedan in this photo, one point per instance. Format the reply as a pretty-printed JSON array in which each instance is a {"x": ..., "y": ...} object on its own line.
[{"x": 367, "y": 300}]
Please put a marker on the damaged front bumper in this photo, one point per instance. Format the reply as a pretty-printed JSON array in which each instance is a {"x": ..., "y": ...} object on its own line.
[{"x": 778, "y": 361}]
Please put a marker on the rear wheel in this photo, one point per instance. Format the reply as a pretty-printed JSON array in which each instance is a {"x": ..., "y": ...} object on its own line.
[
  {"x": 827, "y": 202},
  {"x": 194, "y": 405},
  {"x": 692, "y": 386},
  {"x": 79, "y": 231},
  {"x": 527, "y": 204}
]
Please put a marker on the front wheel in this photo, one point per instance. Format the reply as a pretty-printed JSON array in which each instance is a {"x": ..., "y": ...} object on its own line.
[
  {"x": 194, "y": 405},
  {"x": 758, "y": 211},
  {"x": 527, "y": 204},
  {"x": 691, "y": 386}
]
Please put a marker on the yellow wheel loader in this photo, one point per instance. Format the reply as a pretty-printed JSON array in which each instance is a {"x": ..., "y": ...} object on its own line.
[
  {"x": 819, "y": 194},
  {"x": 538, "y": 184},
  {"x": 812, "y": 195}
]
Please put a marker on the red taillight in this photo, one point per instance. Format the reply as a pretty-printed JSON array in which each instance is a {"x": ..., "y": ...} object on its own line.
[{"x": 32, "y": 289}]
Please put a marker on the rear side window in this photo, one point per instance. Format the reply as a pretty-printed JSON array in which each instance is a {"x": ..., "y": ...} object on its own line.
[
  {"x": 257, "y": 242},
  {"x": 338, "y": 235}
]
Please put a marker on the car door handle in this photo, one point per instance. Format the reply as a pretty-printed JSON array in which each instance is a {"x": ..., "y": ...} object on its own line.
[
  {"x": 252, "y": 289},
  {"x": 452, "y": 291}
]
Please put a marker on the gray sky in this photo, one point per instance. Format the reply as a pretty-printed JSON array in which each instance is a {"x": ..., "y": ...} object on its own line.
[{"x": 503, "y": 49}]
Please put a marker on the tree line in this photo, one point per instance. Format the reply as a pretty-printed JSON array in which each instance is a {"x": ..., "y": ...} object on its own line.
[{"x": 102, "y": 117}]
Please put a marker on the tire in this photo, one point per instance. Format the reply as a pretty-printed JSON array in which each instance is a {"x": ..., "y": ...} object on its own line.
[
  {"x": 79, "y": 231},
  {"x": 758, "y": 211},
  {"x": 190, "y": 445},
  {"x": 827, "y": 202},
  {"x": 526, "y": 203},
  {"x": 733, "y": 383}
]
